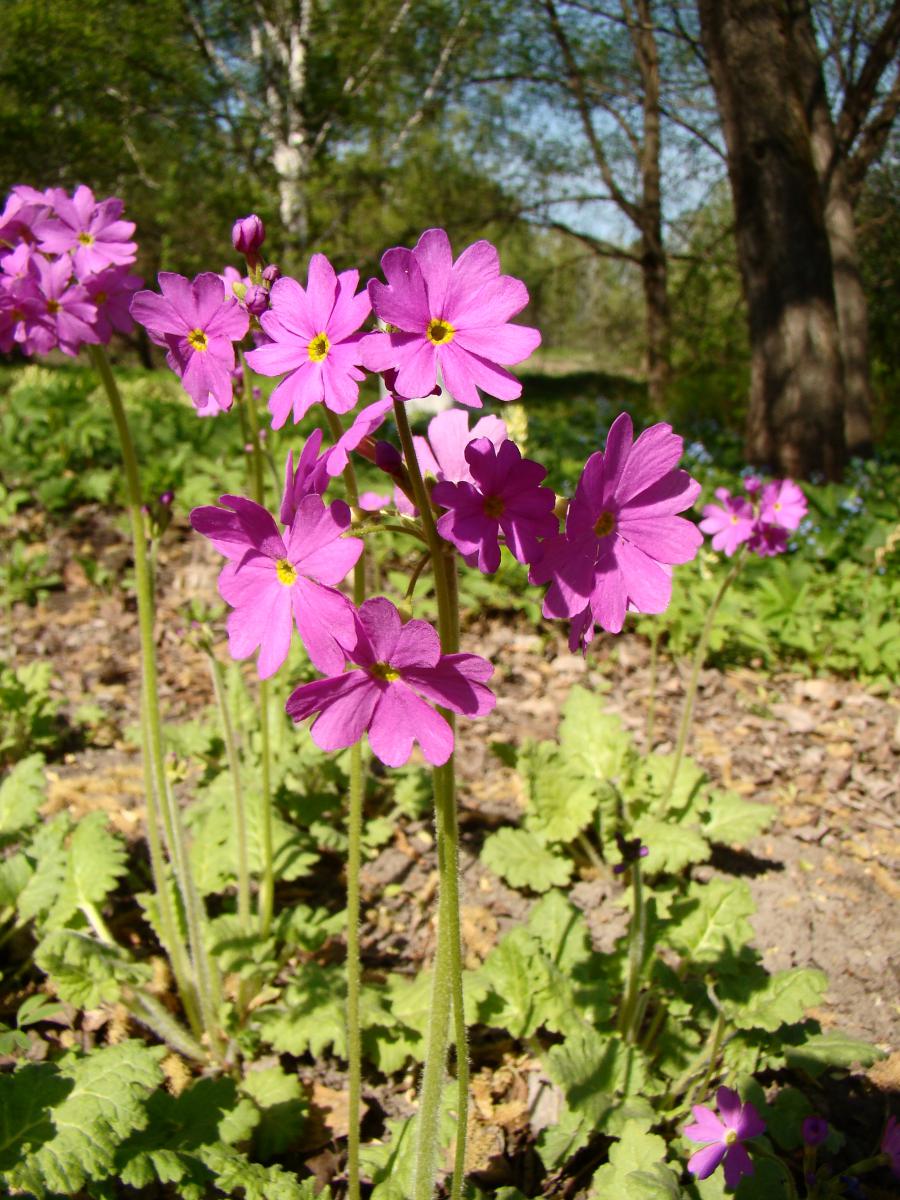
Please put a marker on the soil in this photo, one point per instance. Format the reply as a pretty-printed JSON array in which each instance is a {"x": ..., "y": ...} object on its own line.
[{"x": 823, "y": 751}]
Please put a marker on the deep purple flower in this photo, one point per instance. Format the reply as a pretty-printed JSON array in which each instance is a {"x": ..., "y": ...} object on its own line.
[
  {"x": 22, "y": 312},
  {"x": 622, "y": 534},
  {"x": 273, "y": 582},
  {"x": 814, "y": 1130},
  {"x": 69, "y": 315},
  {"x": 768, "y": 540},
  {"x": 111, "y": 292},
  {"x": 730, "y": 522},
  {"x": 91, "y": 231},
  {"x": 631, "y": 850},
  {"x": 782, "y": 503},
  {"x": 315, "y": 340},
  {"x": 739, "y": 1122},
  {"x": 198, "y": 324},
  {"x": 401, "y": 669},
  {"x": 504, "y": 497},
  {"x": 449, "y": 316},
  {"x": 890, "y": 1145},
  {"x": 248, "y": 235}
]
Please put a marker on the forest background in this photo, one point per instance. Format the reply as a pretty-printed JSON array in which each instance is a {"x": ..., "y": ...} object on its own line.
[{"x": 676, "y": 182}]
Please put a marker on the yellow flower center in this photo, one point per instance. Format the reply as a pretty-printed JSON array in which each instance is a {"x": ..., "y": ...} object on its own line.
[
  {"x": 53, "y": 306},
  {"x": 385, "y": 671},
  {"x": 730, "y": 1137},
  {"x": 285, "y": 571},
  {"x": 493, "y": 507},
  {"x": 777, "y": 506},
  {"x": 100, "y": 298},
  {"x": 439, "y": 332},
  {"x": 197, "y": 340},
  {"x": 86, "y": 239},
  {"x": 604, "y": 524},
  {"x": 318, "y": 348},
  {"x": 734, "y": 520}
]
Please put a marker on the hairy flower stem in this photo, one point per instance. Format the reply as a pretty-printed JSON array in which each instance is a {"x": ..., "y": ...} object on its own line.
[
  {"x": 354, "y": 862},
  {"x": 258, "y": 488},
  {"x": 687, "y": 711},
  {"x": 636, "y": 949},
  {"x": 448, "y": 958},
  {"x": 161, "y": 807},
  {"x": 234, "y": 767}
]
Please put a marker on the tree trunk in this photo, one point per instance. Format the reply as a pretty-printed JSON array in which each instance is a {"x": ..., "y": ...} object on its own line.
[
  {"x": 658, "y": 322},
  {"x": 795, "y": 418},
  {"x": 850, "y": 298}
]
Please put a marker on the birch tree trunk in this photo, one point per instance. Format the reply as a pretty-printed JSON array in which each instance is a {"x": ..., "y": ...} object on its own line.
[{"x": 795, "y": 419}]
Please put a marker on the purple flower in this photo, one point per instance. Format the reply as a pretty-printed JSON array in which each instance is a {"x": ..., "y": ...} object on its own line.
[
  {"x": 622, "y": 534},
  {"x": 730, "y": 523},
  {"x": 22, "y": 309},
  {"x": 401, "y": 668},
  {"x": 890, "y": 1145},
  {"x": 273, "y": 582},
  {"x": 91, "y": 231},
  {"x": 248, "y": 234},
  {"x": 256, "y": 300},
  {"x": 739, "y": 1122},
  {"x": 782, "y": 503},
  {"x": 768, "y": 540},
  {"x": 24, "y": 208},
  {"x": 198, "y": 324},
  {"x": 69, "y": 314},
  {"x": 504, "y": 497},
  {"x": 111, "y": 292},
  {"x": 449, "y": 316},
  {"x": 752, "y": 485},
  {"x": 271, "y": 274},
  {"x": 314, "y": 340},
  {"x": 309, "y": 478},
  {"x": 367, "y": 420},
  {"x": 814, "y": 1130}
]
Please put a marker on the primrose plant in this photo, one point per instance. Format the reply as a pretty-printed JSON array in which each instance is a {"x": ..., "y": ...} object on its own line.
[{"x": 388, "y": 681}]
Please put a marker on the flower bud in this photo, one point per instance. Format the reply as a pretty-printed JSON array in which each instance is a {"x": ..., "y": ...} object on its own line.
[
  {"x": 256, "y": 300},
  {"x": 271, "y": 274},
  {"x": 388, "y": 457},
  {"x": 248, "y": 234},
  {"x": 815, "y": 1130}
]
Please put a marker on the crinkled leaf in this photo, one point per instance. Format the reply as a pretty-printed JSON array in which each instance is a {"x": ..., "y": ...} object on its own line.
[
  {"x": 15, "y": 872},
  {"x": 595, "y": 744},
  {"x": 651, "y": 783},
  {"x": 310, "y": 1016},
  {"x": 560, "y": 804},
  {"x": 283, "y": 1106},
  {"x": 86, "y": 972},
  {"x": 525, "y": 990},
  {"x": 819, "y": 1051},
  {"x": 711, "y": 919},
  {"x": 781, "y": 999},
  {"x": 637, "y": 1169},
  {"x": 672, "y": 846},
  {"x": 523, "y": 861},
  {"x": 21, "y": 795},
  {"x": 593, "y": 1070},
  {"x": 49, "y": 855},
  {"x": 729, "y": 820}
]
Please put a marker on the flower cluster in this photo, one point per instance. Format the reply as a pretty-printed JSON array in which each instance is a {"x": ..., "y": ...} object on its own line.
[
  {"x": 762, "y": 519},
  {"x": 65, "y": 278}
]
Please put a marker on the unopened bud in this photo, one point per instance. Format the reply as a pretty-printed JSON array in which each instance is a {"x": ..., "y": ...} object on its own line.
[
  {"x": 272, "y": 273},
  {"x": 248, "y": 234},
  {"x": 256, "y": 300}
]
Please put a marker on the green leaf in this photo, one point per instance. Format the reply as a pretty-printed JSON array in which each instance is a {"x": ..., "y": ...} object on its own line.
[
  {"x": 730, "y": 820},
  {"x": 311, "y": 1015},
  {"x": 21, "y": 795},
  {"x": 15, "y": 873},
  {"x": 823, "y": 1050},
  {"x": 711, "y": 919},
  {"x": 105, "y": 1102},
  {"x": 672, "y": 846},
  {"x": 280, "y": 1098},
  {"x": 594, "y": 742},
  {"x": 652, "y": 778},
  {"x": 390, "y": 1165},
  {"x": 525, "y": 990},
  {"x": 637, "y": 1169},
  {"x": 524, "y": 862},
  {"x": 560, "y": 804},
  {"x": 783, "y": 998},
  {"x": 561, "y": 931},
  {"x": 96, "y": 860},
  {"x": 593, "y": 1070}
]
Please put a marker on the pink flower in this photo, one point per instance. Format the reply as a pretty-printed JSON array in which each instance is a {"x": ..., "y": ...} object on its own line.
[
  {"x": 69, "y": 314},
  {"x": 782, "y": 503},
  {"x": 314, "y": 340},
  {"x": 199, "y": 325},
  {"x": 622, "y": 534},
  {"x": 22, "y": 309},
  {"x": 273, "y": 582},
  {"x": 726, "y": 1137},
  {"x": 248, "y": 234},
  {"x": 504, "y": 497},
  {"x": 111, "y": 292},
  {"x": 768, "y": 540},
  {"x": 91, "y": 231},
  {"x": 890, "y": 1145},
  {"x": 730, "y": 523},
  {"x": 449, "y": 316},
  {"x": 309, "y": 478},
  {"x": 401, "y": 667},
  {"x": 367, "y": 420}
]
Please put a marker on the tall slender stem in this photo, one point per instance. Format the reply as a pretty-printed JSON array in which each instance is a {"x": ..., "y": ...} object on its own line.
[
  {"x": 687, "y": 711},
  {"x": 234, "y": 767},
  {"x": 448, "y": 959},
  {"x": 164, "y": 803},
  {"x": 654, "y": 671},
  {"x": 267, "y": 880},
  {"x": 636, "y": 949}
]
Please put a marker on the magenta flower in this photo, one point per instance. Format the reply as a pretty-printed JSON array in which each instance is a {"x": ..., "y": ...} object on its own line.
[
  {"x": 739, "y": 1122},
  {"x": 401, "y": 669},
  {"x": 315, "y": 340},
  {"x": 504, "y": 497},
  {"x": 23, "y": 209},
  {"x": 890, "y": 1145},
  {"x": 814, "y": 1131},
  {"x": 273, "y": 582},
  {"x": 622, "y": 534},
  {"x": 309, "y": 478},
  {"x": 69, "y": 314},
  {"x": 91, "y": 231},
  {"x": 111, "y": 292},
  {"x": 449, "y": 316},
  {"x": 248, "y": 234},
  {"x": 730, "y": 523},
  {"x": 22, "y": 312},
  {"x": 365, "y": 423},
  {"x": 198, "y": 324},
  {"x": 782, "y": 503}
]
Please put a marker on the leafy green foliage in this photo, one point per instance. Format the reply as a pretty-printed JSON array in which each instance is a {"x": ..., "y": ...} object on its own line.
[
  {"x": 29, "y": 715},
  {"x": 637, "y": 1169},
  {"x": 523, "y": 860},
  {"x": 21, "y": 795}
]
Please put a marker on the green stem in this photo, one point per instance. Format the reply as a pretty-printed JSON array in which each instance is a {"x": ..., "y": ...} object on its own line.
[
  {"x": 707, "y": 1057},
  {"x": 448, "y": 958},
  {"x": 651, "y": 701},
  {"x": 240, "y": 815},
  {"x": 636, "y": 950},
  {"x": 687, "y": 711},
  {"x": 160, "y": 803}
]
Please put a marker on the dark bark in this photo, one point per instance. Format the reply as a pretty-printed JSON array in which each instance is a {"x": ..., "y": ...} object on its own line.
[{"x": 795, "y": 419}]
